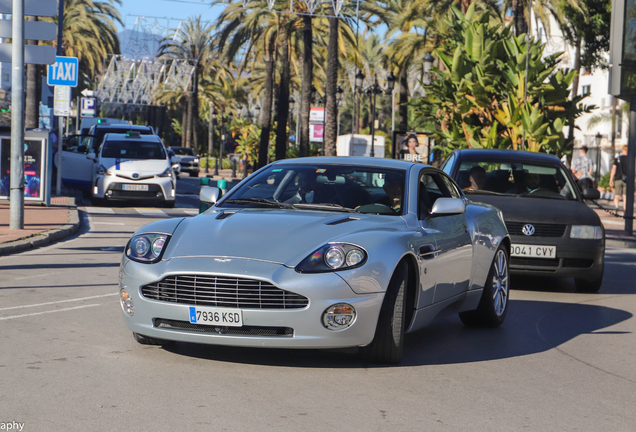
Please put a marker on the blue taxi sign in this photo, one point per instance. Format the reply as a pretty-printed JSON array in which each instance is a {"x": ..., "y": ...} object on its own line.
[{"x": 63, "y": 72}]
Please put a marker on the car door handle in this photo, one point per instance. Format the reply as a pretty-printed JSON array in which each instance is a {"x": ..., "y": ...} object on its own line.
[{"x": 428, "y": 252}]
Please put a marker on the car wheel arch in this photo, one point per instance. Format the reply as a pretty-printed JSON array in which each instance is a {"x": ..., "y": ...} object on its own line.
[{"x": 412, "y": 287}]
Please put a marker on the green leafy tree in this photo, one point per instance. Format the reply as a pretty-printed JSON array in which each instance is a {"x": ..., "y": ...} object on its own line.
[{"x": 479, "y": 98}]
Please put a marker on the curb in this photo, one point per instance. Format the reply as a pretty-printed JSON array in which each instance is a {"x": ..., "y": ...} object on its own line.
[
  {"x": 45, "y": 238},
  {"x": 620, "y": 243}
]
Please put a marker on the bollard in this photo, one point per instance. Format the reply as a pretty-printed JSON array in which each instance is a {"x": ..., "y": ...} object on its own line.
[{"x": 222, "y": 184}]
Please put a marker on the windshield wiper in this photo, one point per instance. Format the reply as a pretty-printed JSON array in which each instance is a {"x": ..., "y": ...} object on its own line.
[
  {"x": 323, "y": 206},
  {"x": 530, "y": 195},
  {"x": 258, "y": 201}
]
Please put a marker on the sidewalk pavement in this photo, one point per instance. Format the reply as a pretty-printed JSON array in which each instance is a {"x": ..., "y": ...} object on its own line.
[{"x": 44, "y": 225}]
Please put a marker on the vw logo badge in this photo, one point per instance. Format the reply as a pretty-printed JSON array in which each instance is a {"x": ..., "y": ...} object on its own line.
[
  {"x": 135, "y": 175},
  {"x": 528, "y": 229}
]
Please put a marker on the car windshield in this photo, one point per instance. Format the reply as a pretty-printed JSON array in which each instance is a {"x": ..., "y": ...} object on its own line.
[
  {"x": 181, "y": 151},
  {"x": 515, "y": 178},
  {"x": 324, "y": 187},
  {"x": 97, "y": 139},
  {"x": 136, "y": 150}
]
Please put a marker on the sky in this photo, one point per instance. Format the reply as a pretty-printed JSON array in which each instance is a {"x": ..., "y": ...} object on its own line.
[{"x": 170, "y": 11}]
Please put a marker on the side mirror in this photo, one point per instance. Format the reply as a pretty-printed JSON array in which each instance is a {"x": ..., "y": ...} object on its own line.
[
  {"x": 91, "y": 156},
  {"x": 209, "y": 195},
  {"x": 591, "y": 194},
  {"x": 448, "y": 206}
]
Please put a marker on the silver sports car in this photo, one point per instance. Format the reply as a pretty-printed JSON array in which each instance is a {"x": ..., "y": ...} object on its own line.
[{"x": 319, "y": 253}]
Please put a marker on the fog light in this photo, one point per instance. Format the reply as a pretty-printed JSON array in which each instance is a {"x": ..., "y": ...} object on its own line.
[
  {"x": 126, "y": 302},
  {"x": 95, "y": 190},
  {"x": 339, "y": 316},
  {"x": 172, "y": 192}
]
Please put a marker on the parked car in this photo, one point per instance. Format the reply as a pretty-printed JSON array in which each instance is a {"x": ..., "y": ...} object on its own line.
[
  {"x": 319, "y": 253},
  {"x": 174, "y": 161},
  {"x": 77, "y": 170},
  {"x": 553, "y": 231},
  {"x": 133, "y": 167},
  {"x": 188, "y": 160}
]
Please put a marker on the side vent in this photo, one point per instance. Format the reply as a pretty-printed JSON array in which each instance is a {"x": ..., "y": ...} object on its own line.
[
  {"x": 341, "y": 221},
  {"x": 224, "y": 215}
]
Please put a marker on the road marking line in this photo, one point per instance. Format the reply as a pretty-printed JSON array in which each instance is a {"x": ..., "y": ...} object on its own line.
[
  {"x": 104, "y": 210},
  {"x": 36, "y": 276},
  {"x": 60, "y": 301},
  {"x": 151, "y": 212},
  {"x": 47, "y": 312},
  {"x": 108, "y": 223}
]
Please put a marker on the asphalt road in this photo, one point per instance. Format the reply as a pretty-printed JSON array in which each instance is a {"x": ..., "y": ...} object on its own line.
[{"x": 562, "y": 361}]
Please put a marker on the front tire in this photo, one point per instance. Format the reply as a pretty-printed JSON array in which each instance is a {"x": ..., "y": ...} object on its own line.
[
  {"x": 493, "y": 306},
  {"x": 147, "y": 340},
  {"x": 388, "y": 344},
  {"x": 589, "y": 286}
]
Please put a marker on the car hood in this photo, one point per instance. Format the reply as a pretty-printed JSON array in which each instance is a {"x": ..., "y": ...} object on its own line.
[
  {"x": 144, "y": 168},
  {"x": 275, "y": 235},
  {"x": 540, "y": 210}
]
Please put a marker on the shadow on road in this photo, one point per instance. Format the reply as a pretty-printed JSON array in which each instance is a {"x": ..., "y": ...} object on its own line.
[{"x": 531, "y": 327}]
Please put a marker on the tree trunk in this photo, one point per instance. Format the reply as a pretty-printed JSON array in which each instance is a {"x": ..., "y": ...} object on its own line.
[
  {"x": 331, "y": 85},
  {"x": 519, "y": 17},
  {"x": 184, "y": 123},
  {"x": 305, "y": 99},
  {"x": 31, "y": 106},
  {"x": 266, "y": 118},
  {"x": 283, "y": 98},
  {"x": 404, "y": 99},
  {"x": 575, "y": 90},
  {"x": 195, "y": 111}
]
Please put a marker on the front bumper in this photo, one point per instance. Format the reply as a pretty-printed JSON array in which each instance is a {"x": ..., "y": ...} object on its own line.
[
  {"x": 112, "y": 188},
  {"x": 307, "y": 331},
  {"x": 578, "y": 258}
]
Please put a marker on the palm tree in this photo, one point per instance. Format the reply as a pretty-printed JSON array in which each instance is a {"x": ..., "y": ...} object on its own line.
[{"x": 193, "y": 43}]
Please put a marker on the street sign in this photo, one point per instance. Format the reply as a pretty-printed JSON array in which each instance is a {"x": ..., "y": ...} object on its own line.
[
  {"x": 88, "y": 93},
  {"x": 63, "y": 72},
  {"x": 47, "y": 8},
  {"x": 62, "y": 101},
  {"x": 89, "y": 107},
  {"x": 33, "y": 54},
  {"x": 33, "y": 30}
]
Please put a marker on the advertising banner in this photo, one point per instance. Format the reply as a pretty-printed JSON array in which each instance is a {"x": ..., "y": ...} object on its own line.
[
  {"x": 316, "y": 132},
  {"x": 34, "y": 169},
  {"x": 412, "y": 146}
]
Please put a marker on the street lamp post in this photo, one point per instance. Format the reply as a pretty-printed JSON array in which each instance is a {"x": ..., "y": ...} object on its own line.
[
  {"x": 598, "y": 138},
  {"x": 390, "y": 85},
  {"x": 291, "y": 117},
  {"x": 339, "y": 100},
  {"x": 359, "y": 79},
  {"x": 210, "y": 141}
]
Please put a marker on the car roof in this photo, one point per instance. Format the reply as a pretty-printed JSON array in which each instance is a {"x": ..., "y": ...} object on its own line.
[
  {"x": 506, "y": 155},
  {"x": 121, "y": 126},
  {"x": 125, "y": 137},
  {"x": 351, "y": 160}
]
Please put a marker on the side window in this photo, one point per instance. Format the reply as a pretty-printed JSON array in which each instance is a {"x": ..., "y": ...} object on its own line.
[
  {"x": 431, "y": 187},
  {"x": 452, "y": 187},
  {"x": 448, "y": 164}
]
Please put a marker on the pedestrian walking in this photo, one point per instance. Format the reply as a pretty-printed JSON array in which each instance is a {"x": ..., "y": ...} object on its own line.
[
  {"x": 582, "y": 168},
  {"x": 618, "y": 178}
]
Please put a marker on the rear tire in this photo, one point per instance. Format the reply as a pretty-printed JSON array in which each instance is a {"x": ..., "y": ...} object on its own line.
[
  {"x": 147, "y": 340},
  {"x": 388, "y": 344},
  {"x": 493, "y": 305}
]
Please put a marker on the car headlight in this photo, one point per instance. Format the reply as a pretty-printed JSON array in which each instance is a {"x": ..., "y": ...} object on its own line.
[
  {"x": 196, "y": 160},
  {"x": 166, "y": 173},
  {"x": 147, "y": 248},
  {"x": 586, "y": 232},
  {"x": 333, "y": 257}
]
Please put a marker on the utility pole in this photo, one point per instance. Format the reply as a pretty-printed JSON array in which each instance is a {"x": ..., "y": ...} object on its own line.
[
  {"x": 60, "y": 123},
  {"x": 16, "y": 194}
]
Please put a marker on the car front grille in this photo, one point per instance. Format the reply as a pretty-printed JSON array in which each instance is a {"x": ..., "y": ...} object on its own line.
[
  {"x": 230, "y": 331},
  {"x": 219, "y": 291},
  {"x": 540, "y": 230},
  {"x": 578, "y": 262},
  {"x": 534, "y": 262},
  {"x": 116, "y": 190}
]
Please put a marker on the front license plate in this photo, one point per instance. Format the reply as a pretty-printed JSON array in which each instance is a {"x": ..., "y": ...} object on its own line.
[
  {"x": 216, "y": 316},
  {"x": 134, "y": 187},
  {"x": 533, "y": 251}
]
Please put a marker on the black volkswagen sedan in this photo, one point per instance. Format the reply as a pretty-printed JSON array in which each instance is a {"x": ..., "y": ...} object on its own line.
[{"x": 554, "y": 233}]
